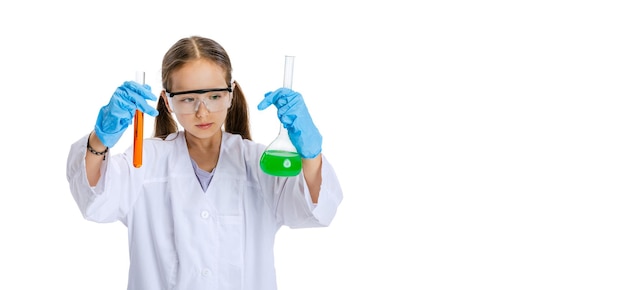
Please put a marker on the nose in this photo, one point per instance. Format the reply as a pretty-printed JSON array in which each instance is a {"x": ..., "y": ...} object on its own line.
[{"x": 200, "y": 110}]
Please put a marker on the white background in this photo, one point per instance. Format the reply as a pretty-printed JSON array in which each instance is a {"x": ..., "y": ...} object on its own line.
[{"x": 480, "y": 144}]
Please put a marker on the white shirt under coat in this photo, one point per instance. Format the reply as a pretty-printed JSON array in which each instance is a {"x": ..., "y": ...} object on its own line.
[{"x": 181, "y": 237}]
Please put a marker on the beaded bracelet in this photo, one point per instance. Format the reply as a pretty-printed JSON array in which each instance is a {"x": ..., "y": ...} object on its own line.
[{"x": 96, "y": 152}]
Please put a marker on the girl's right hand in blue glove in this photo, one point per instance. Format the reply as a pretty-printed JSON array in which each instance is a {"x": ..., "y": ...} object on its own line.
[{"x": 115, "y": 117}]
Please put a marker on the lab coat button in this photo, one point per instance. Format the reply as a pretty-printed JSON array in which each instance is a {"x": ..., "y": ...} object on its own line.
[
  {"x": 205, "y": 272},
  {"x": 205, "y": 214}
]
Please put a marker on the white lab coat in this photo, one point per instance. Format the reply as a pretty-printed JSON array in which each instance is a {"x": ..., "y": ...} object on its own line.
[{"x": 181, "y": 237}]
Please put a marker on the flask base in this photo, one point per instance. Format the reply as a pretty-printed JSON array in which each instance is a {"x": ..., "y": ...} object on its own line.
[{"x": 281, "y": 163}]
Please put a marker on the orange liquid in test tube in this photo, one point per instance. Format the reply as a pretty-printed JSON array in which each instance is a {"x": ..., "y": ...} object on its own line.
[{"x": 138, "y": 122}]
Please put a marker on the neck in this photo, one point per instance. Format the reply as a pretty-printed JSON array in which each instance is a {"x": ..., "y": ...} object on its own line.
[
  {"x": 204, "y": 144},
  {"x": 205, "y": 152}
]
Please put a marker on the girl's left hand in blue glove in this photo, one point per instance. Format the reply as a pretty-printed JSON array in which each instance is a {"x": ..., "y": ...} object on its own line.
[{"x": 294, "y": 115}]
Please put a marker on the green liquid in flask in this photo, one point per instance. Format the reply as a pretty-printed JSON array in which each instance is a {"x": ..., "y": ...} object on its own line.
[{"x": 281, "y": 163}]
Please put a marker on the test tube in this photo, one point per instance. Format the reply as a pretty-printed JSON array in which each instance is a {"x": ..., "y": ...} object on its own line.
[
  {"x": 138, "y": 123},
  {"x": 288, "y": 77}
]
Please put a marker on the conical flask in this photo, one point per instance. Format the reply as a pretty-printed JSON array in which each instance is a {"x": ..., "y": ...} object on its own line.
[{"x": 281, "y": 158}]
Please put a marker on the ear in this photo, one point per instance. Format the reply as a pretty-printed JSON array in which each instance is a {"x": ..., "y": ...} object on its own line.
[{"x": 166, "y": 101}]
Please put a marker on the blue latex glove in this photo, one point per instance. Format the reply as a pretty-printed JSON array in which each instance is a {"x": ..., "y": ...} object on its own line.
[
  {"x": 294, "y": 116},
  {"x": 115, "y": 117}
]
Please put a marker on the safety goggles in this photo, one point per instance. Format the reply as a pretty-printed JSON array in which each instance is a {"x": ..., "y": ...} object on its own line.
[{"x": 188, "y": 102}]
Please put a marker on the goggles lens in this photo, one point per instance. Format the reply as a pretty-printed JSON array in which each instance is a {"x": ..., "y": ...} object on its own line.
[{"x": 214, "y": 100}]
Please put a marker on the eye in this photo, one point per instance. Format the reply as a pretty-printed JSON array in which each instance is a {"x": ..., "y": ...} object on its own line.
[
  {"x": 186, "y": 99},
  {"x": 214, "y": 96}
]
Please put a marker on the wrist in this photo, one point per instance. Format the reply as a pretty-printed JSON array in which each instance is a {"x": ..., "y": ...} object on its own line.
[
  {"x": 94, "y": 142},
  {"x": 95, "y": 146}
]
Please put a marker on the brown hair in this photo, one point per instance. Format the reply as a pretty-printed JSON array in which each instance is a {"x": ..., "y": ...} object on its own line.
[{"x": 193, "y": 48}]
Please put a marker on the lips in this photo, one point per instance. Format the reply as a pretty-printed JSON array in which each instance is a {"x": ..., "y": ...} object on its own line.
[{"x": 204, "y": 125}]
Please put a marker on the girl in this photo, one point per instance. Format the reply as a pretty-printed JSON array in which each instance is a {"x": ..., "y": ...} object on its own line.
[{"x": 200, "y": 212}]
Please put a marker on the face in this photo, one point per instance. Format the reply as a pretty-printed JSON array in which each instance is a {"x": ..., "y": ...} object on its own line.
[{"x": 202, "y": 75}]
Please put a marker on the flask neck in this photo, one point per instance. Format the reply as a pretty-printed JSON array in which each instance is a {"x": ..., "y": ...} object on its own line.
[
  {"x": 282, "y": 130},
  {"x": 282, "y": 142},
  {"x": 283, "y": 134}
]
